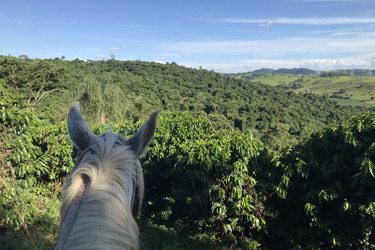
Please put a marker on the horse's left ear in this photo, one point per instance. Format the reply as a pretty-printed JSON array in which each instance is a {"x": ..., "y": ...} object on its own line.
[
  {"x": 144, "y": 136},
  {"x": 79, "y": 132}
]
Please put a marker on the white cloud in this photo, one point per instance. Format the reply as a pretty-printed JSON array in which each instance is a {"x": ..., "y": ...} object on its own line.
[
  {"x": 115, "y": 48},
  {"x": 372, "y": 61},
  {"x": 290, "y": 45},
  {"x": 241, "y": 65},
  {"x": 365, "y": 62},
  {"x": 267, "y": 23},
  {"x": 302, "y": 21},
  {"x": 100, "y": 56},
  {"x": 358, "y": 34},
  {"x": 335, "y": 0}
]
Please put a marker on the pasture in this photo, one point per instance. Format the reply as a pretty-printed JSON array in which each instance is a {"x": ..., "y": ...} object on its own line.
[{"x": 346, "y": 90}]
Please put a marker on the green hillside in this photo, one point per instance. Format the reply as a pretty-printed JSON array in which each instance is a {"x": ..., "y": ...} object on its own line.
[
  {"x": 346, "y": 90},
  {"x": 210, "y": 182},
  {"x": 309, "y": 72},
  {"x": 117, "y": 91}
]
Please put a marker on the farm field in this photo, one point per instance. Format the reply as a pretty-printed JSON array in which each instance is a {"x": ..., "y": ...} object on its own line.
[{"x": 346, "y": 90}]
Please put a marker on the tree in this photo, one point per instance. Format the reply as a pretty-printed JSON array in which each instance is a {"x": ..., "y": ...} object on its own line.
[
  {"x": 23, "y": 57},
  {"x": 9, "y": 67},
  {"x": 41, "y": 79}
]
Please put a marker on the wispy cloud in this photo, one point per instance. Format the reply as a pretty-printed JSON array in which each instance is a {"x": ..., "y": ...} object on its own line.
[
  {"x": 25, "y": 21},
  {"x": 335, "y": 0},
  {"x": 115, "y": 48},
  {"x": 358, "y": 34},
  {"x": 302, "y": 21},
  {"x": 325, "y": 53},
  {"x": 267, "y": 23},
  {"x": 364, "y": 62},
  {"x": 290, "y": 45},
  {"x": 241, "y": 65}
]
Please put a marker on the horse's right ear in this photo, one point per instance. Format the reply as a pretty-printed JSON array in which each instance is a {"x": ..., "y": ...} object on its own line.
[
  {"x": 144, "y": 136},
  {"x": 79, "y": 132}
]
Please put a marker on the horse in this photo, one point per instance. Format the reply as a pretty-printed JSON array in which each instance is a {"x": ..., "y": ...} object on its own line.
[{"x": 99, "y": 195}]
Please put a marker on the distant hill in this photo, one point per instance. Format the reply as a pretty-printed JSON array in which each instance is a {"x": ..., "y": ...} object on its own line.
[
  {"x": 309, "y": 72},
  {"x": 357, "y": 72},
  {"x": 116, "y": 91},
  {"x": 337, "y": 85},
  {"x": 294, "y": 71}
]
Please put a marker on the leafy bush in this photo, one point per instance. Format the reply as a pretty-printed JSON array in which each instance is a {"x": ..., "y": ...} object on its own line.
[
  {"x": 218, "y": 183},
  {"x": 32, "y": 154},
  {"x": 327, "y": 189},
  {"x": 206, "y": 181},
  {"x": 195, "y": 177}
]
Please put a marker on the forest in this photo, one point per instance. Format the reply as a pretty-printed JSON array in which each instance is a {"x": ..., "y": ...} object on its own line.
[
  {"x": 235, "y": 163},
  {"x": 114, "y": 91}
]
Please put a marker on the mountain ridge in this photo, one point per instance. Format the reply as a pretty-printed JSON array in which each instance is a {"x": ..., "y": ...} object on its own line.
[{"x": 310, "y": 72}]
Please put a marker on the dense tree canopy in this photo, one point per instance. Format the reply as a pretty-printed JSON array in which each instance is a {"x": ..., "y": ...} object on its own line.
[{"x": 114, "y": 91}]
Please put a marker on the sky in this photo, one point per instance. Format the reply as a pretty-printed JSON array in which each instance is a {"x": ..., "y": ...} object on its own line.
[{"x": 226, "y": 36}]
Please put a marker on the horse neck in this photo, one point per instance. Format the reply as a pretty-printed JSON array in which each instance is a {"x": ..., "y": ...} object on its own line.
[{"x": 98, "y": 216}]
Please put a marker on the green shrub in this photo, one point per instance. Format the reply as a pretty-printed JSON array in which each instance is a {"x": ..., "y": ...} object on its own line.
[
  {"x": 32, "y": 156},
  {"x": 217, "y": 183},
  {"x": 206, "y": 181},
  {"x": 327, "y": 189}
]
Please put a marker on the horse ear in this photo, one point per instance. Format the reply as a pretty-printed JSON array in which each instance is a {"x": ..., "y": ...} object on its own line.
[
  {"x": 144, "y": 136},
  {"x": 79, "y": 132}
]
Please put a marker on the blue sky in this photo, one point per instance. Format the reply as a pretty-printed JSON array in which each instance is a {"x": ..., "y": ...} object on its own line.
[{"x": 226, "y": 36}]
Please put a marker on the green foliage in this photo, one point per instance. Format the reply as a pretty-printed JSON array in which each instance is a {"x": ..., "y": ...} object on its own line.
[
  {"x": 199, "y": 179},
  {"x": 343, "y": 87},
  {"x": 114, "y": 91},
  {"x": 333, "y": 74},
  {"x": 205, "y": 181},
  {"x": 202, "y": 175},
  {"x": 327, "y": 189},
  {"x": 31, "y": 153}
]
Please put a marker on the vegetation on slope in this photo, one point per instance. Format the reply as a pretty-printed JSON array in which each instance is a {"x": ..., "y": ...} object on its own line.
[
  {"x": 326, "y": 192},
  {"x": 219, "y": 187},
  {"x": 204, "y": 178},
  {"x": 199, "y": 180},
  {"x": 115, "y": 91},
  {"x": 346, "y": 90},
  {"x": 309, "y": 72}
]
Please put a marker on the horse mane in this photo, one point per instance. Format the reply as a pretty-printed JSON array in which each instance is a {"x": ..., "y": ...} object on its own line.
[{"x": 104, "y": 219}]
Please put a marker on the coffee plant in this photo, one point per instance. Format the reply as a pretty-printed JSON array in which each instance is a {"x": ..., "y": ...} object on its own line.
[
  {"x": 319, "y": 194},
  {"x": 206, "y": 181},
  {"x": 326, "y": 194}
]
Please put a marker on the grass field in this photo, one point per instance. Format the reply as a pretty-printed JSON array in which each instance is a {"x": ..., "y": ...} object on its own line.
[{"x": 346, "y": 90}]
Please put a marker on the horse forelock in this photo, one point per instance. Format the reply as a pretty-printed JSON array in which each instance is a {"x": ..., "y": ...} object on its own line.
[{"x": 96, "y": 209}]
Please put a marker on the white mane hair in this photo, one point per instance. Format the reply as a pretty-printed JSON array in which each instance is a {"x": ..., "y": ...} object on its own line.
[
  {"x": 96, "y": 211},
  {"x": 104, "y": 220}
]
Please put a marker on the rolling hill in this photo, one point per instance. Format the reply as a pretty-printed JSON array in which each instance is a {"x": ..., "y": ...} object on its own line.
[
  {"x": 310, "y": 72},
  {"x": 115, "y": 91},
  {"x": 346, "y": 90}
]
